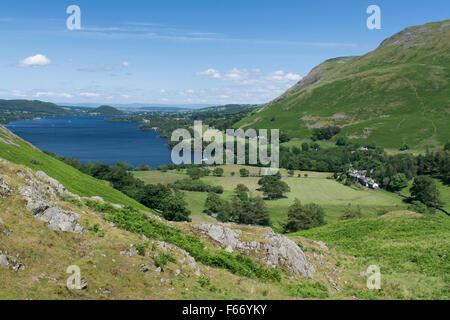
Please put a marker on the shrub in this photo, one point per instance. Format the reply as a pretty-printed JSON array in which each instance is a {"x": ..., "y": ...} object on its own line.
[
  {"x": 35, "y": 161},
  {"x": 308, "y": 290},
  {"x": 141, "y": 249},
  {"x": 162, "y": 258},
  {"x": 351, "y": 213},
  {"x": 142, "y": 167},
  {"x": 244, "y": 172},
  {"x": 303, "y": 217}
]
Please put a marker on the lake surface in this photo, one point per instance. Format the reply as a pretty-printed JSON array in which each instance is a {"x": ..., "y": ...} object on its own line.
[{"x": 91, "y": 138}]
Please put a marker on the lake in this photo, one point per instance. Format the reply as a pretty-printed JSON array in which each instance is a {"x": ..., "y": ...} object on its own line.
[{"x": 89, "y": 138}]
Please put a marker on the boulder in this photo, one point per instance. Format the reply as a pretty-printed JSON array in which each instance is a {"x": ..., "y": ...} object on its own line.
[
  {"x": 4, "y": 261},
  {"x": 61, "y": 220}
]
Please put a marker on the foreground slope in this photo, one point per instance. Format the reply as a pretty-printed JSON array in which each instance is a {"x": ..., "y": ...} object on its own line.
[
  {"x": 412, "y": 251},
  {"x": 397, "y": 94}
]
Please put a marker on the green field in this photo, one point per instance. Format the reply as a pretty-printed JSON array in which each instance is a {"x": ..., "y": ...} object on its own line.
[{"x": 331, "y": 195}]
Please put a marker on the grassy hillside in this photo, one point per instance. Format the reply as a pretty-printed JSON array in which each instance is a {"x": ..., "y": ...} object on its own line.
[
  {"x": 18, "y": 151},
  {"x": 397, "y": 94},
  {"x": 411, "y": 250}
]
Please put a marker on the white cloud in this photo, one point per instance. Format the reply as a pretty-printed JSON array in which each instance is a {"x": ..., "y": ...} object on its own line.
[
  {"x": 125, "y": 64},
  {"x": 282, "y": 76},
  {"x": 162, "y": 91},
  {"x": 245, "y": 76},
  {"x": 89, "y": 94},
  {"x": 52, "y": 94},
  {"x": 18, "y": 93},
  {"x": 210, "y": 72},
  {"x": 38, "y": 60}
]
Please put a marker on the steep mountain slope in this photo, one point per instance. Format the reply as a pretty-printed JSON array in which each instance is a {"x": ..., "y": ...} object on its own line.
[{"x": 397, "y": 94}]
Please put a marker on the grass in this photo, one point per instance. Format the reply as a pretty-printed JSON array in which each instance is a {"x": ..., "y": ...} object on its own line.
[
  {"x": 74, "y": 180},
  {"x": 411, "y": 250},
  {"x": 331, "y": 195}
]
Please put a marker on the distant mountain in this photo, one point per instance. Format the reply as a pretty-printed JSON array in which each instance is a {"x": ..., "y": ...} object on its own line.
[
  {"x": 397, "y": 94},
  {"x": 13, "y": 110},
  {"x": 106, "y": 111}
]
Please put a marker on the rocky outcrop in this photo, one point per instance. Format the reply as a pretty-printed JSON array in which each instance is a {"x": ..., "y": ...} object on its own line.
[
  {"x": 40, "y": 193},
  {"x": 273, "y": 249},
  {"x": 5, "y": 189},
  {"x": 61, "y": 220}
]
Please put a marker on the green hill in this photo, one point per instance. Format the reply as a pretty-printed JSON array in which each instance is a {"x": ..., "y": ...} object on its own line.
[
  {"x": 397, "y": 94},
  {"x": 12, "y": 110},
  {"x": 107, "y": 111}
]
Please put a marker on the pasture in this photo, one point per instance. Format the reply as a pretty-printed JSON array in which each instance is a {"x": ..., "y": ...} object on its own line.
[{"x": 316, "y": 187}]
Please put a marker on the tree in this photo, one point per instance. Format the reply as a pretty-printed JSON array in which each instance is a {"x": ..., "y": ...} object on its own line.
[
  {"x": 284, "y": 137},
  {"x": 244, "y": 172},
  {"x": 174, "y": 207},
  {"x": 341, "y": 141},
  {"x": 273, "y": 187},
  {"x": 142, "y": 167},
  {"x": 303, "y": 217},
  {"x": 398, "y": 182},
  {"x": 425, "y": 189},
  {"x": 255, "y": 212},
  {"x": 151, "y": 195},
  {"x": 241, "y": 192},
  {"x": 447, "y": 146},
  {"x": 350, "y": 213},
  {"x": 195, "y": 173},
  {"x": 218, "y": 172},
  {"x": 305, "y": 147},
  {"x": 212, "y": 203},
  {"x": 224, "y": 212},
  {"x": 125, "y": 166}
]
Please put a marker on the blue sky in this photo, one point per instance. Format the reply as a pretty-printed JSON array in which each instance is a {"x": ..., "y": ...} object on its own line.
[{"x": 185, "y": 52}]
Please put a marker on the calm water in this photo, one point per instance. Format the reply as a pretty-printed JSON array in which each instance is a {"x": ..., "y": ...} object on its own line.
[{"x": 93, "y": 139}]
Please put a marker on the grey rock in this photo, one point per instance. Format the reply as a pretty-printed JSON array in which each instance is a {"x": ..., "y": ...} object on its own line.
[
  {"x": 4, "y": 261},
  {"x": 58, "y": 187},
  {"x": 99, "y": 199},
  {"x": 144, "y": 268},
  {"x": 61, "y": 220}
]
